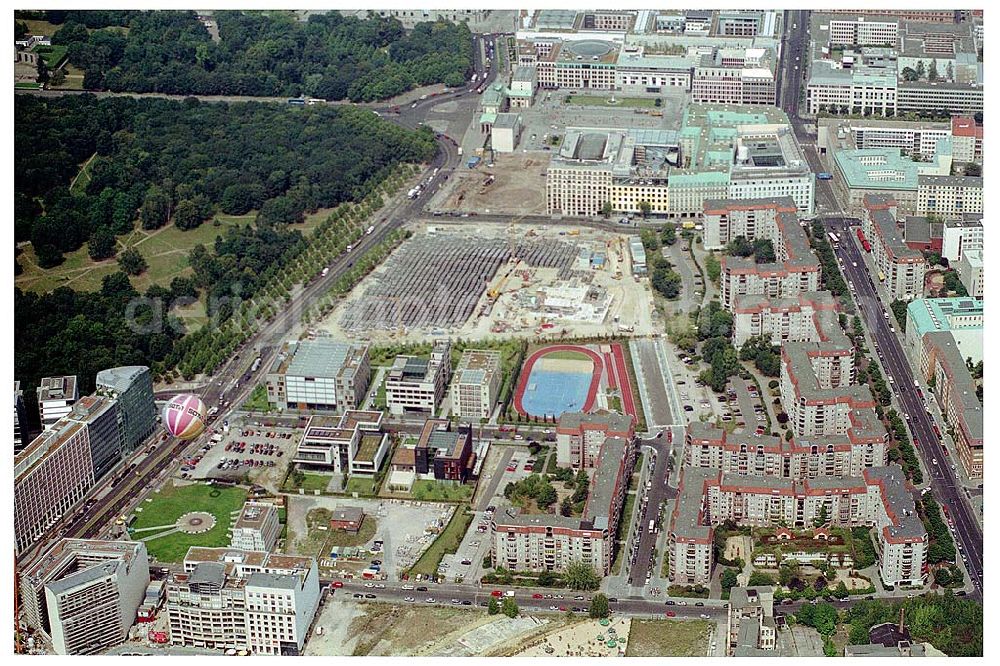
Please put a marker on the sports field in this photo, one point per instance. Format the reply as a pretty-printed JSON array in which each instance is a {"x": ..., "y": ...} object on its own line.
[{"x": 557, "y": 379}]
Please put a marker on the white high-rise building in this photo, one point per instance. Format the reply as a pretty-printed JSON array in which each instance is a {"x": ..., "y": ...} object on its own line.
[{"x": 83, "y": 594}]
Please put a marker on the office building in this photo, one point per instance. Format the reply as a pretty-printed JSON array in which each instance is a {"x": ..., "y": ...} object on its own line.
[
  {"x": 752, "y": 631},
  {"x": 320, "y": 374},
  {"x": 243, "y": 600},
  {"x": 585, "y": 64},
  {"x": 475, "y": 386},
  {"x": 56, "y": 396},
  {"x": 51, "y": 475},
  {"x": 103, "y": 420},
  {"x": 257, "y": 527},
  {"x": 551, "y": 542},
  {"x": 912, "y": 138},
  {"x": 962, "y": 317},
  {"x": 735, "y": 76},
  {"x": 736, "y": 23},
  {"x": 900, "y": 268},
  {"x": 20, "y": 419},
  {"x": 442, "y": 453},
  {"x": 949, "y": 197},
  {"x": 352, "y": 443},
  {"x": 580, "y": 436},
  {"x": 741, "y": 152},
  {"x": 958, "y": 236},
  {"x": 859, "y": 32},
  {"x": 932, "y": 97},
  {"x": 970, "y": 272},
  {"x": 879, "y": 498},
  {"x": 83, "y": 594},
  {"x": 132, "y": 388},
  {"x": 416, "y": 384},
  {"x": 922, "y": 15},
  {"x": 945, "y": 369},
  {"x": 860, "y": 90}
]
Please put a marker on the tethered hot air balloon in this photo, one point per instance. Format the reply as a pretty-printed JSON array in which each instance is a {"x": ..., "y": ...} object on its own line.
[{"x": 184, "y": 416}]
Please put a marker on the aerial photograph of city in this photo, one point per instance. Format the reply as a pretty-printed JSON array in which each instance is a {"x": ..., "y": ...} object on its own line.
[{"x": 554, "y": 332}]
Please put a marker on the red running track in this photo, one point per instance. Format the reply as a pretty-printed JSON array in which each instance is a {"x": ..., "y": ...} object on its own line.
[
  {"x": 595, "y": 377},
  {"x": 621, "y": 370}
]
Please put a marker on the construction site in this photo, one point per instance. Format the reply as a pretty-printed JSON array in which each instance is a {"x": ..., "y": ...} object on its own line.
[
  {"x": 485, "y": 281},
  {"x": 512, "y": 184}
]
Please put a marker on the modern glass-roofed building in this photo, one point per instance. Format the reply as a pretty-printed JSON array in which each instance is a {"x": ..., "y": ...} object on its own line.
[{"x": 320, "y": 374}]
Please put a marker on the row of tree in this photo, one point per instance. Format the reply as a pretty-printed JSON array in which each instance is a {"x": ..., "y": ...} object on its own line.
[{"x": 269, "y": 54}]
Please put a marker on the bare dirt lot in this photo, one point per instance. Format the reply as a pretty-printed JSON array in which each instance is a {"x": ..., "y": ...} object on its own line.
[{"x": 514, "y": 185}]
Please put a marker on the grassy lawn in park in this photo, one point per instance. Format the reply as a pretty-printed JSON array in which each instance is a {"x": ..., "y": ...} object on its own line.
[
  {"x": 171, "y": 503},
  {"x": 165, "y": 250}
]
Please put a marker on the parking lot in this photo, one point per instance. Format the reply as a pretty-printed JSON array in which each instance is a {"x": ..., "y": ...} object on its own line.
[
  {"x": 261, "y": 453},
  {"x": 747, "y": 403},
  {"x": 508, "y": 465}
]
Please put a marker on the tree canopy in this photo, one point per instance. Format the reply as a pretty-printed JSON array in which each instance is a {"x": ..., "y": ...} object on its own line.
[
  {"x": 329, "y": 56},
  {"x": 155, "y": 159}
]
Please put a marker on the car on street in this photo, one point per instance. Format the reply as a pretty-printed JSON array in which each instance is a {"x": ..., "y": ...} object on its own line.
[
  {"x": 431, "y": 600},
  {"x": 337, "y": 584},
  {"x": 671, "y": 613},
  {"x": 370, "y": 596},
  {"x": 536, "y": 595},
  {"x": 358, "y": 595},
  {"x": 409, "y": 599}
]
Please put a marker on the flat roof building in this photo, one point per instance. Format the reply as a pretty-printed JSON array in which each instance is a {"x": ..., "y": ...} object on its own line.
[
  {"x": 132, "y": 388},
  {"x": 257, "y": 527},
  {"x": 415, "y": 384},
  {"x": 320, "y": 374},
  {"x": 83, "y": 594},
  {"x": 56, "y": 396},
  {"x": 243, "y": 600},
  {"x": 733, "y": 152},
  {"x": 970, "y": 272},
  {"x": 475, "y": 386},
  {"x": 20, "y": 419},
  {"x": 961, "y": 316},
  {"x": 352, "y": 443},
  {"x": 51, "y": 475}
]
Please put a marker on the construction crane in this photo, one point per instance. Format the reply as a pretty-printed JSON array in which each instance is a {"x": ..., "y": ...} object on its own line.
[{"x": 512, "y": 259}]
